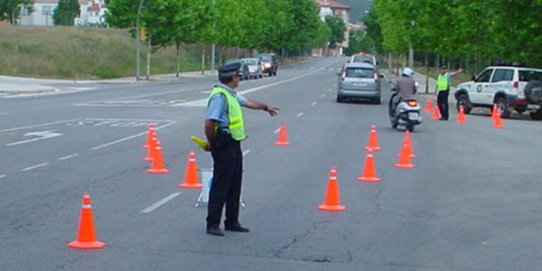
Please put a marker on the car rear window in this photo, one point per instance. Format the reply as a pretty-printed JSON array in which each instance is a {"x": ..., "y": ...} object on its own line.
[
  {"x": 366, "y": 59},
  {"x": 359, "y": 72},
  {"x": 527, "y": 75}
]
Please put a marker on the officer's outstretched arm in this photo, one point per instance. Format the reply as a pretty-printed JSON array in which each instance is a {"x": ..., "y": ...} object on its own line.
[{"x": 256, "y": 105}]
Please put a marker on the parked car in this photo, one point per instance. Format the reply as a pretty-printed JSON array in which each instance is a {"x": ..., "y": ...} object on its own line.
[
  {"x": 511, "y": 88},
  {"x": 269, "y": 62},
  {"x": 359, "y": 80},
  {"x": 244, "y": 67},
  {"x": 254, "y": 67}
]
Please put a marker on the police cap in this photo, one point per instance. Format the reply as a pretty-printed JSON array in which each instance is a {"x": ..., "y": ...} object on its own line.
[{"x": 229, "y": 69}]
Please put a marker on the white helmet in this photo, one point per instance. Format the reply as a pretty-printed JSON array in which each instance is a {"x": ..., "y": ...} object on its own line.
[{"x": 408, "y": 72}]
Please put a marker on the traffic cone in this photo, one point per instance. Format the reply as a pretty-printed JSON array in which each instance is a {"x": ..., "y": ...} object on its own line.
[
  {"x": 332, "y": 201},
  {"x": 461, "y": 115},
  {"x": 157, "y": 165},
  {"x": 408, "y": 143},
  {"x": 404, "y": 158},
  {"x": 369, "y": 172},
  {"x": 282, "y": 140},
  {"x": 152, "y": 149},
  {"x": 428, "y": 105},
  {"x": 191, "y": 175},
  {"x": 494, "y": 111},
  {"x": 86, "y": 236},
  {"x": 150, "y": 134},
  {"x": 436, "y": 113},
  {"x": 373, "y": 140},
  {"x": 497, "y": 124}
]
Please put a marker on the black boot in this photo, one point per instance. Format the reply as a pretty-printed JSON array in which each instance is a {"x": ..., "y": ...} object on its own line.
[{"x": 236, "y": 227}]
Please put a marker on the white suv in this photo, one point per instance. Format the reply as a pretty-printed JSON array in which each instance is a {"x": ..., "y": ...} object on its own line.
[{"x": 510, "y": 87}]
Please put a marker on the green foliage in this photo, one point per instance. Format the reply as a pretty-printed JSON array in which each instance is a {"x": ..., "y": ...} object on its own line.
[
  {"x": 358, "y": 42},
  {"x": 485, "y": 30},
  {"x": 10, "y": 9},
  {"x": 338, "y": 28},
  {"x": 66, "y": 11}
]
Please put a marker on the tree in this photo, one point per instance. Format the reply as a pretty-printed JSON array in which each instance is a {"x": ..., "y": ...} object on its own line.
[
  {"x": 10, "y": 9},
  {"x": 358, "y": 41},
  {"x": 338, "y": 27},
  {"x": 66, "y": 12}
]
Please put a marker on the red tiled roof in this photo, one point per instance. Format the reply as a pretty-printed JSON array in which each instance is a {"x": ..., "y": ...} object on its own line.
[{"x": 332, "y": 4}]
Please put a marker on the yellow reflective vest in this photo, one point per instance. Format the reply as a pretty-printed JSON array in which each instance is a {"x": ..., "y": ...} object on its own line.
[
  {"x": 442, "y": 82},
  {"x": 235, "y": 113}
]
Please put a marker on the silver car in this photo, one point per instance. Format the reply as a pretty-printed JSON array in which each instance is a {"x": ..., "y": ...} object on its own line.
[
  {"x": 254, "y": 67},
  {"x": 359, "y": 80}
]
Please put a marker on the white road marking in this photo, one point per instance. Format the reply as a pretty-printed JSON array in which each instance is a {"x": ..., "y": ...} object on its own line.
[
  {"x": 40, "y": 136},
  {"x": 160, "y": 203},
  {"x": 35, "y": 166},
  {"x": 3, "y": 113},
  {"x": 37, "y": 125},
  {"x": 128, "y": 138},
  {"x": 276, "y": 131},
  {"x": 300, "y": 114},
  {"x": 2, "y": 176},
  {"x": 313, "y": 103},
  {"x": 246, "y": 152},
  {"x": 323, "y": 95},
  {"x": 68, "y": 157}
]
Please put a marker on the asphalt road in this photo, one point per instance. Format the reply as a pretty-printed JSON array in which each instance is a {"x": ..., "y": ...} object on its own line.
[{"x": 471, "y": 202}]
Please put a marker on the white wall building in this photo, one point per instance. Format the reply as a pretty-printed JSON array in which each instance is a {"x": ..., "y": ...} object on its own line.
[{"x": 91, "y": 12}]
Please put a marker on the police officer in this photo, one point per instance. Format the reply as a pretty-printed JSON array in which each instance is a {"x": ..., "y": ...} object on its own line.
[
  {"x": 444, "y": 81},
  {"x": 224, "y": 129}
]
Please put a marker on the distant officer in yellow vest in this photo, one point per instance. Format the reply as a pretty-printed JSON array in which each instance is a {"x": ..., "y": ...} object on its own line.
[
  {"x": 224, "y": 129},
  {"x": 444, "y": 80}
]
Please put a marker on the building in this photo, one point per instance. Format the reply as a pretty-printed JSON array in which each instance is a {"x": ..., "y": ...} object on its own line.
[
  {"x": 334, "y": 8},
  {"x": 91, "y": 12}
]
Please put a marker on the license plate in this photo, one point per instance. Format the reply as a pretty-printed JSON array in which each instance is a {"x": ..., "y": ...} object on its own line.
[
  {"x": 533, "y": 106},
  {"x": 359, "y": 84},
  {"x": 413, "y": 115}
]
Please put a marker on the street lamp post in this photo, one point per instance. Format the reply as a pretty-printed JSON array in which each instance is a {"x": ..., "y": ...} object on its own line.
[
  {"x": 410, "y": 50},
  {"x": 138, "y": 44}
]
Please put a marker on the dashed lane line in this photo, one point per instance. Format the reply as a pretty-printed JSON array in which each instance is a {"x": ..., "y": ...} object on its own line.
[
  {"x": 160, "y": 203},
  {"x": 34, "y": 167},
  {"x": 68, "y": 157}
]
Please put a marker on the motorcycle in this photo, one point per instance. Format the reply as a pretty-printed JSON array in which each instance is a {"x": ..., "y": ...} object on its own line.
[{"x": 407, "y": 113}]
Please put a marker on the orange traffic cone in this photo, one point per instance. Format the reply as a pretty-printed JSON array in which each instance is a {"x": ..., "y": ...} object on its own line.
[
  {"x": 436, "y": 113},
  {"x": 461, "y": 115},
  {"x": 332, "y": 201},
  {"x": 404, "y": 158},
  {"x": 497, "y": 124},
  {"x": 157, "y": 165},
  {"x": 150, "y": 134},
  {"x": 428, "y": 105},
  {"x": 152, "y": 149},
  {"x": 373, "y": 140},
  {"x": 86, "y": 236},
  {"x": 191, "y": 174},
  {"x": 408, "y": 143},
  {"x": 282, "y": 140},
  {"x": 369, "y": 171},
  {"x": 494, "y": 111}
]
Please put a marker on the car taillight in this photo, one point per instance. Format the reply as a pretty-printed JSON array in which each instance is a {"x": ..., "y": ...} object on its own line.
[
  {"x": 342, "y": 77},
  {"x": 375, "y": 75},
  {"x": 516, "y": 84},
  {"x": 412, "y": 103}
]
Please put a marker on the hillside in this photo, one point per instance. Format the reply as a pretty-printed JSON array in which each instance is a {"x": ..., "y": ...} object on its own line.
[
  {"x": 79, "y": 53},
  {"x": 357, "y": 8}
]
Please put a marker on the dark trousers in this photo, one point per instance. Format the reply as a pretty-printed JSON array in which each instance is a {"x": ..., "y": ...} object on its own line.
[
  {"x": 442, "y": 102},
  {"x": 226, "y": 184}
]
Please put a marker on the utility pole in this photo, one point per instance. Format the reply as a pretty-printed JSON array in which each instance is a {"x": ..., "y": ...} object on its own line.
[
  {"x": 410, "y": 50},
  {"x": 138, "y": 44},
  {"x": 213, "y": 47}
]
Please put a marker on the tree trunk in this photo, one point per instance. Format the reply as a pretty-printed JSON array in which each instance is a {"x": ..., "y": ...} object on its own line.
[
  {"x": 426, "y": 73},
  {"x": 178, "y": 58},
  {"x": 203, "y": 60},
  {"x": 149, "y": 57}
]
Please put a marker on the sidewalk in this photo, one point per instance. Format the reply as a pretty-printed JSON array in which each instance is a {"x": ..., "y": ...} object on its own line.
[{"x": 11, "y": 85}]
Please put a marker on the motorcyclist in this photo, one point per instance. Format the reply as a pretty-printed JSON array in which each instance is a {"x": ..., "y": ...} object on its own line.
[{"x": 405, "y": 86}]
